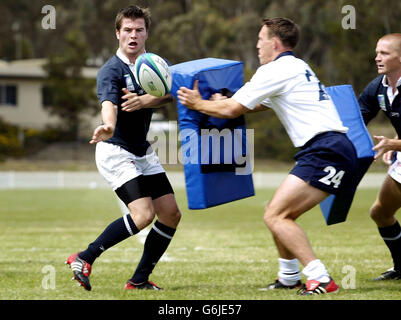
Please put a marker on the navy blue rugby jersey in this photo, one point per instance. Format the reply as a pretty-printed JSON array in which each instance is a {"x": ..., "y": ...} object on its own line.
[
  {"x": 374, "y": 98},
  {"x": 131, "y": 127}
]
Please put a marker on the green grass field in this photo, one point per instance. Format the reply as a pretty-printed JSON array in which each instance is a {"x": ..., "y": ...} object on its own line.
[{"x": 223, "y": 253}]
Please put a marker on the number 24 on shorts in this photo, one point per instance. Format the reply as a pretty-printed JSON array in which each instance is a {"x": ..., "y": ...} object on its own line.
[{"x": 333, "y": 177}]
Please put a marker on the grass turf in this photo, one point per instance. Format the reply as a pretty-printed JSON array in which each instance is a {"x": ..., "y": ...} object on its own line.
[{"x": 222, "y": 253}]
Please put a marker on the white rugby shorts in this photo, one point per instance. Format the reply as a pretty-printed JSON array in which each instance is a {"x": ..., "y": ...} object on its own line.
[
  {"x": 119, "y": 166},
  {"x": 395, "y": 169}
]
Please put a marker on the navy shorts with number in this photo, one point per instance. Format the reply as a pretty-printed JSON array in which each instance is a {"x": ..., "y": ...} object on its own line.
[{"x": 328, "y": 162}]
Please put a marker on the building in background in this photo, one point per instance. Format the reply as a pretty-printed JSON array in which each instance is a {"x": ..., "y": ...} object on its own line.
[{"x": 23, "y": 94}]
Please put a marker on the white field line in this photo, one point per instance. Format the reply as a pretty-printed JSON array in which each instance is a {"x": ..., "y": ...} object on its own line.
[{"x": 93, "y": 180}]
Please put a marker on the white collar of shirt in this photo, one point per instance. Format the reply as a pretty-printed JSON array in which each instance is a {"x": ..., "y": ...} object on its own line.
[
  {"x": 391, "y": 96},
  {"x": 125, "y": 59}
]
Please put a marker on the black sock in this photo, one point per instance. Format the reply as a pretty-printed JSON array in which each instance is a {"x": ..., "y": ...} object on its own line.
[
  {"x": 115, "y": 232},
  {"x": 392, "y": 237},
  {"x": 156, "y": 244}
]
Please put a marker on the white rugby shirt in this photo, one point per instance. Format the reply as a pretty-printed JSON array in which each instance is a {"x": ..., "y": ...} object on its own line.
[{"x": 290, "y": 87}]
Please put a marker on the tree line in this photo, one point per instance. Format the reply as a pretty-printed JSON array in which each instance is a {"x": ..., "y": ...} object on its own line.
[{"x": 184, "y": 30}]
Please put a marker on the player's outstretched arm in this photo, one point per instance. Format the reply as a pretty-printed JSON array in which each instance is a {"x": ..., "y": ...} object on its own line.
[
  {"x": 223, "y": 108},
  {"x": 218, "y": 96},
  {"x": 106, "y": 130}
]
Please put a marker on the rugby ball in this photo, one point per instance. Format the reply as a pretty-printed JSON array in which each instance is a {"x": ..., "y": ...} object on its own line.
[{"x": 153, "y": 74}]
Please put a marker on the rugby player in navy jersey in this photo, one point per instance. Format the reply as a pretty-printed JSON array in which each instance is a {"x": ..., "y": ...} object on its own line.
[
  {"x": 383, "y": 93},
  {"x": 125, "y": 159},
  {"x": 325, "y": 164}
]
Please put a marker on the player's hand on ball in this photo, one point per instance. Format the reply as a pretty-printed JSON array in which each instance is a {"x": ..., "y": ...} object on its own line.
[
  {"x": 188, "y": 97},
  {"x": 102, "y": 133},
  {"x": 133, "y": 101}
]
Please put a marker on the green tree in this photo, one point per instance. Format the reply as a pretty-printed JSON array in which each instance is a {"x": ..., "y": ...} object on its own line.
[
  {"x": 72, "y": 94},
  {"x": 10, "y": 144},
  {"x": 185, "y": 30}
]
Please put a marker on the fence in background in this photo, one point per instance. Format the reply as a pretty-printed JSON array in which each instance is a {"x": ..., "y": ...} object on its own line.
[{"x": 93, "y": 180}]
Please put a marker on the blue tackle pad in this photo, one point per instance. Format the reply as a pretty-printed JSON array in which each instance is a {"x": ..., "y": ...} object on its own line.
[
  {"x": 215, "y": 152},
  {"x": 335, "y": 208}
]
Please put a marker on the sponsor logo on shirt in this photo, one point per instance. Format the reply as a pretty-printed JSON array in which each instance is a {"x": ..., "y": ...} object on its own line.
[
  {"x": 129, "y": 83},
  {"x": 382, "y": 102}
]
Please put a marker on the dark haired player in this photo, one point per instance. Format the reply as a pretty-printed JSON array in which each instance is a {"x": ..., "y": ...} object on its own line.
[
  {"x": 325, "y": 163},
  {"x": 125, "y": 159}
]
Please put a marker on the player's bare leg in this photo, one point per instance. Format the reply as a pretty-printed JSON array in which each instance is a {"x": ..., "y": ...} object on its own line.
[
  {"x": 383, "y": 214},
  {"x": 387, "y": 203},
  {"x": 167, "y": 210},
  {"x": 142, "y": 212},
  {"x": 293, "y": 198}
]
